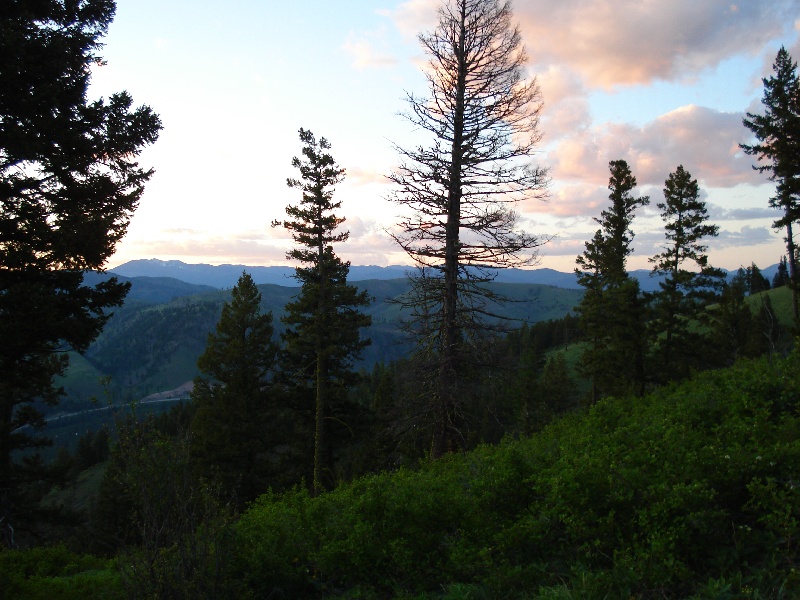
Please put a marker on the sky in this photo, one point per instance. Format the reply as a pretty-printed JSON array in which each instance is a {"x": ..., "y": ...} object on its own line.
[{"x": 658, "y": 83}]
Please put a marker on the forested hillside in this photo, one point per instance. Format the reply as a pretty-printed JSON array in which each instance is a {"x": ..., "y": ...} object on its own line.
[
  {"x": 688, "y": 492},
  {"x": 152, "y": 344}
]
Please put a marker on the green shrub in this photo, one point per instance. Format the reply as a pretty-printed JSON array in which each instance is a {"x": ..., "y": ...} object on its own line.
[
  {"x": 54, "y": 572},
  {"x": 689, "y": 490}
]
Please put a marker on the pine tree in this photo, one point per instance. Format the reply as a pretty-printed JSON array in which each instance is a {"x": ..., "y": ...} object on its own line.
[
  {"x": 69, "y": 184},
  {"x": 482, "y": 117},
  {"x": 612, "y": 310},
  {"x": 778, "y": 135},
  {"x": 237, "y": 419},
  {"x": 683, "y": 295},
  {"x": 782, "y": 274},
  {"x": 322, "y": 339},
  {"x": 756, "y": 282}
]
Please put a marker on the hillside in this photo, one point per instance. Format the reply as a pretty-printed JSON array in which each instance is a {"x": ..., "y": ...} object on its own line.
[
  {"x": 689, "y": 492},
  {"x": 150, "y": 346}
]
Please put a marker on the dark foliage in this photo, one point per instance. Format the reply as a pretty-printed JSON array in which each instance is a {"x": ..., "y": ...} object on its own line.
[
  {"x": 69, "y": 183},
  {"x": 322, "y": 339}
]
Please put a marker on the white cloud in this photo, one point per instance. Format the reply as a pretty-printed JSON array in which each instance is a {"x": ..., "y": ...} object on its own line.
[{"x": 364, "y": 53}]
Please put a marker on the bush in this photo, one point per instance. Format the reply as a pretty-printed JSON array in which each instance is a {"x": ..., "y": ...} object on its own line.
[
  {"x": 688, "y": 489},
  {"x": 47, "y": 573}
]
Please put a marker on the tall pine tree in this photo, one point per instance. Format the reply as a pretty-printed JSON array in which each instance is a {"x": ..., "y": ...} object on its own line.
[
  {"x": 778, "y": 135},
  {"x": 612, "y": 310},
  {"x": 322, "y": 339},
  {"x": 684, "y": 294}
]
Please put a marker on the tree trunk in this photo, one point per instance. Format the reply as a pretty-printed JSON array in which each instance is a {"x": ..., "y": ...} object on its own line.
[
  {"x": 449, "y": 358},
  {"x": 793, "y": 274},
  {"x": 320, "y": 458}
]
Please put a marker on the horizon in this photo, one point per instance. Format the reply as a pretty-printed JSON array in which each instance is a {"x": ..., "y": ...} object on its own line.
[{"x": 287, "y": 266}]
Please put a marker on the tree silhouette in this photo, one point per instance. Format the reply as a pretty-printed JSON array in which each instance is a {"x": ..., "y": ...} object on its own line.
[
  {"x": 612, "y": 311},
  {"x": 69, "y": 183},
  {"x": 778, "y": 135},
  {"x": 322, "y": 339},
  {"x": 684, "y": 294},
  {"x": 237, "y": 420},
  {"x": 483, "y": 121}
]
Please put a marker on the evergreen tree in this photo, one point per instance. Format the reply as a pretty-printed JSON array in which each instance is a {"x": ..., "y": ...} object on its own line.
[
  {"x": 756, "y": 282},
  {"x": 69, "y": 183},
  {"x": 683, "y": 295},
  {"x": 778, "y": 135},
  {"x": 731, "y": 323},
  {"x": 483, "y": 120},
  {"x": 612, "y": 310},
  {"x": 322, "y": 338},
  {"x": 237, "y": 419},
  {"x": 556, "y": 386},
  {"x": 782, "y": 274}
]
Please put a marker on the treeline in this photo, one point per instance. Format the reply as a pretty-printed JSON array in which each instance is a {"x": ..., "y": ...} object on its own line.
[{"x": 695, "y": 320}]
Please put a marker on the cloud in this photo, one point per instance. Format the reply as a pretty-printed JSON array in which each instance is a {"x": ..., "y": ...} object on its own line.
[
  {"x": 570, "y": 200},
  {"x": 703, "y": 140},
  {"x": 234, "y": 249},
  {"x": 566, "y": 107},
  {"x": 414, "y": 16},
  {"x": 747, "y": 236},
  {"x": 719, "y": 213},
  {"x": 362, "y": 49},
  {"x": 625, "y": 42},
  {"x": 358, "y": 176}
]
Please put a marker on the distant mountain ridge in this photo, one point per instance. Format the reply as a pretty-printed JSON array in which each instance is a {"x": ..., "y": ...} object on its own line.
[{"x": 226, "y": 276}]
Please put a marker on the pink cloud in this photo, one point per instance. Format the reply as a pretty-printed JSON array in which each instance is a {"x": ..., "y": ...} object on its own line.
[
  {"x": 703, "y": 140},
  {"x": 569, "y": 201},
  {"x": 414, "y": 16},
  {"x": 566, "y": 108},
  {"x": 358, "y": 176},
  {"x": 624, "y": 42}
]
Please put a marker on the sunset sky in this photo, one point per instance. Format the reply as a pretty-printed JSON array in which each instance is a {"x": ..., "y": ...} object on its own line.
[{"x": 655, "y": 82}]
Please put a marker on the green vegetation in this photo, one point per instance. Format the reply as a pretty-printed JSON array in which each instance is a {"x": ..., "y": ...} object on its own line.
[
  {"x": 48, "y": 573},
  {"x": 687, "y": 492}
]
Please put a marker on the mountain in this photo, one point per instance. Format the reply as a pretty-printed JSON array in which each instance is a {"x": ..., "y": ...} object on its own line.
[
  {"x": 226, "y": 276},
  {"x": 151, "y": 290}
]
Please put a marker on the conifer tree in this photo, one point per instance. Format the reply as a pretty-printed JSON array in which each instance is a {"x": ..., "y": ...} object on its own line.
[
  {"x": 322, "y": 339},
  {"x": 683, "y": 295},
  {"x": 756, "y": 282},
  {"x": 69, "y": 184},
  {"x": 778, "y": 135},
  {"x": 238, "y": 420},
  {"x": 482, "y": 119},
  {"x": 612, "y": 310},
  {"x": 781, "y": 277}
]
